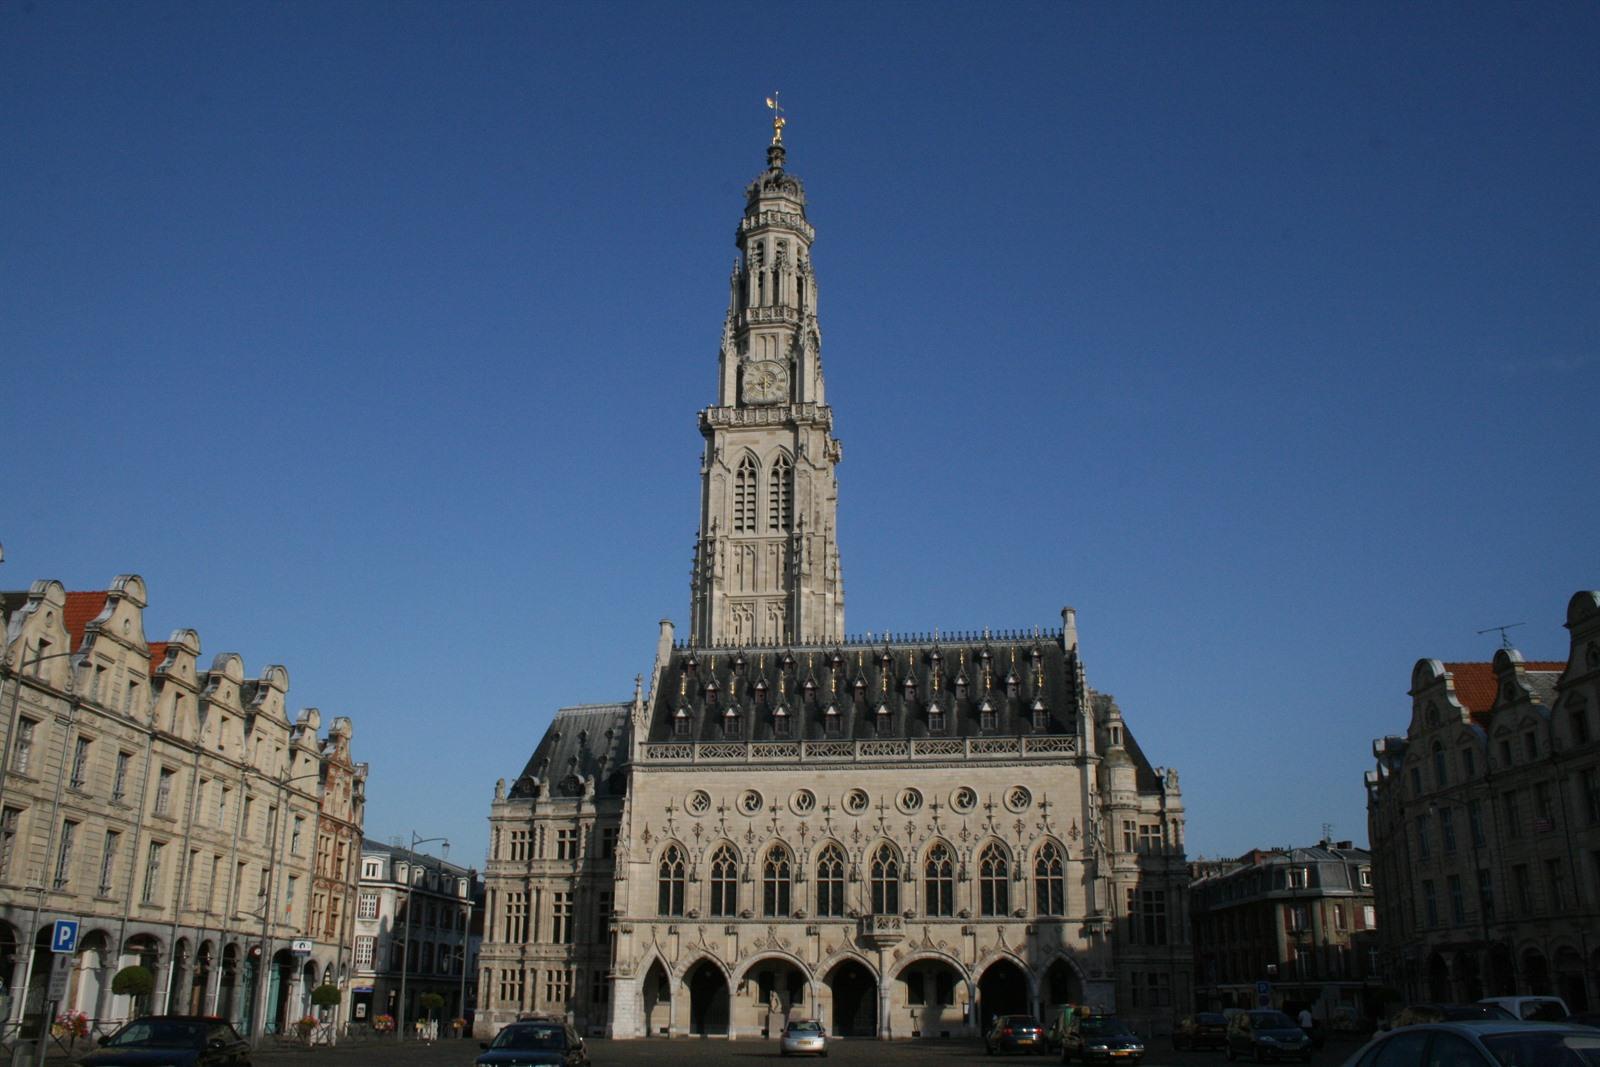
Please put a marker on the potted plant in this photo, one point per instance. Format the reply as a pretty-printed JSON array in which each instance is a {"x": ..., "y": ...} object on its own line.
[
  {"x": 383, "y": 1024},
  {"x": 305, "y": 1027}
]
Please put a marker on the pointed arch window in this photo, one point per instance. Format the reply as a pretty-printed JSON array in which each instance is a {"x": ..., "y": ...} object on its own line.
[
  {"x": 1049, "y": 881},
  {"x": 939, "y": 881},
  {"x": 830, "y": 881},
  {"x": 669, "y": 882},
  {"x": 744, "y": 496},
  {"x": 777, "y": 876},
  {"x": 724, "y": 882},
  {"x": 780, "y": 505},
  {"x": 885, "y": 881},
  {"x": 994, "y": 869}
]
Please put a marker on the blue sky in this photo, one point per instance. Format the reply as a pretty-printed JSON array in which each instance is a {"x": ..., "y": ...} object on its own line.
[{"x": 372, "y": 336}]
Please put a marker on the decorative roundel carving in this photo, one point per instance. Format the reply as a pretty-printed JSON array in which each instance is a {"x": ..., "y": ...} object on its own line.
[
  {"x": 909, "y": 800},
  {"x": 1018, "y": 798},
  {"x": 750, "y": 802},
  {"x": 963, "y": 798},
  {"x": 697, "y": 803},
  {"x": 855, "y": 801},
  {"x": 803, "y": 802}
]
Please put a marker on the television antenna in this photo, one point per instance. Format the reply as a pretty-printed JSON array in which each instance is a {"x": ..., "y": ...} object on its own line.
[{"x": 1505, "y": 642}]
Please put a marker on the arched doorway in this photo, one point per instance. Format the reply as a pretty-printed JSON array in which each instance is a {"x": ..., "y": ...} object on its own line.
[
  {"x": 1502, "y": 975},
  {"x": 708, "y": 1000},
  {"x": 281, "y": 992},
  {"x": 146, "y": 953},
  {"x": 855, "y": 1000},
  {"x": 1002, "y": 990},
  {"x": 1569, "y": 979},
  {"x": 308, "y": 982},
  {"x": 655, "y": 994},
  {"x": 1468, "y": 976},
  {"x": 928, "y": 989},
  {"x": 195, "y": 995},
  {"x": 1439, "y": 979},
  {"x": 1536, "y": 972},
  {"x": 90, "y": 972},
  {"x": 1061, "y": 986},
  {"x": 777, "y": 990}
]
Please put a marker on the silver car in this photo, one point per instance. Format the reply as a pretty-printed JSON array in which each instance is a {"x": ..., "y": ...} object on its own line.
[
  {"x": 1483, "y": 1043},
  {"x": 804, "y": 1037}
]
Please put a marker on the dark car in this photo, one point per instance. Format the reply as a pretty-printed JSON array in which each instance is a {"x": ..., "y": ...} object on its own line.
[
  {"x": 1447, "y": 1013},
  {"x": 1014, "y": 1033},
  {"x": 546, "y": 1043},
  {"x": 1100, "y": 1039},
  {"x": 1206, "y": 1029},
  {"x": 1263, "y": 1034},
  {"x": 1482, "y": 1043},
  {"x": 179, "y": 1040}
]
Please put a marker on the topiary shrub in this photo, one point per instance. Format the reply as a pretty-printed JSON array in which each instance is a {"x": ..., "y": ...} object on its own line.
[
  {"x": 430, "y": 1002},
  {"x": 325, "y": 996},
  {"x": 135, "y": 981}
]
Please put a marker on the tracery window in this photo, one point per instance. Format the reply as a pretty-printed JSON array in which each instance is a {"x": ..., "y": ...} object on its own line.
[
  {"x": 885, "y": 881},
  {"x": 779, "y": 501},
  {"x": 1049, "y": 882},
  {"x": 724, "y": 882},
  {"x": 669, "y": 882},
  {"x": 776, "y": 876},
  {"x": 744, "y": 496},
  {"x": 994, "y": 867},
  {"x": 830, "y": 881},
  {"x": 939, "y": 881}
]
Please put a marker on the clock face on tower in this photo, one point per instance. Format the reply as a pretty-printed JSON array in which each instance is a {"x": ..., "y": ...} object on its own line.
[{"x": 765, "y": 382}]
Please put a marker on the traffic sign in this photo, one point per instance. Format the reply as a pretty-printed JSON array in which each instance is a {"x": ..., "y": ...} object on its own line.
[
  {"x": 1263, "y": 988},
  {"x": 60, "y": 971},
  {"x": 301, "y": 947},
  {"x": 64, "y": 937}
]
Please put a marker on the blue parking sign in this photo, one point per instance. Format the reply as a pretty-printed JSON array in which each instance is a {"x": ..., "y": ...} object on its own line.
[{"x": 64, "y": 938}]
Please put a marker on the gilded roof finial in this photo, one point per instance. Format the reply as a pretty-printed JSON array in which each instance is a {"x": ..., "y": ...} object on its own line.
[{"x": 778, "y": 121}]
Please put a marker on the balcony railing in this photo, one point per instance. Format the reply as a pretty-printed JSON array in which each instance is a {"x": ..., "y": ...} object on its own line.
[{"x": 861, "y": 751}]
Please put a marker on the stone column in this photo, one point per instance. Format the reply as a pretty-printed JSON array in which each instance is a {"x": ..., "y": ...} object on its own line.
[{"x": 883, "y": 1000}]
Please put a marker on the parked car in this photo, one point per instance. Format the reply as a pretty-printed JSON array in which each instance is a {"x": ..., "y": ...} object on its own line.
[
  {"x": 1446, "y": 1013},
  {"x": 1539, "y": 1009},
  {"x": 1482, "y": 1043},
  {"x": 1264, "y": 1034},
  {"x": 1014, "y": 1033},
  {"x": 1206, "y": 1029},
  {"x": 545, "y": 1043},
  {"x": 1100, "y": 1039},
  {"x": 803, "y": 1037},
  {"x": 179, "y": 1040}
]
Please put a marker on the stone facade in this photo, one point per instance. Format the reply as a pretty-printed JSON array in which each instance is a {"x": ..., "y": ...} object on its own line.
[
  {"x": 1301, "y": 919},
  {"x": 900, "y": 835},
  {"x": 172, "y": 809},
  {"x": 1485, "y": 826},
  {"x": 440, "y": 899}
]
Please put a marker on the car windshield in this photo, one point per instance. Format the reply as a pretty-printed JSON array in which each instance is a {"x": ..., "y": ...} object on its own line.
[
  {"x": 159, "y": 1033},
  {"x": 1459, "y": 1012},
  {"x": 1210, "y": 1019},
  {"x": 1019, "y": 1020},
  {"x": 1104, "y": 1026},
  {"x": 810, "y": 1026},
  {"x": 1545, "y": 1048},
  {"x": 1271, "y": 1020},
  {"x": 529, "y": 1037}
]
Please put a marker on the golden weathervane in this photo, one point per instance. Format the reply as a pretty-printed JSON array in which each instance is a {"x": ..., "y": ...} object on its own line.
[{"x": 778, "y": 121}]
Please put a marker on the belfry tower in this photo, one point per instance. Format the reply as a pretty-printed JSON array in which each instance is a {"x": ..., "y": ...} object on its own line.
[{"x": 766, "y": 563}]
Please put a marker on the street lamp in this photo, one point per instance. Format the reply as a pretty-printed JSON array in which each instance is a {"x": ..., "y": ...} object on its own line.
[
  {"x": 406, "y": 960},
  {"x": 268, "y": 904}
]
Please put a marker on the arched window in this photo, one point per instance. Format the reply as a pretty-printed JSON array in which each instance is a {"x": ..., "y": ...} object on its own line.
[
  {"x": 669, "y": 882},
  {"x": 744, "y": 496},
  {"x": 780, "y": 508},
  {"x": 776, "y": 874},
  {"x": 1049, "y": 883},
  {"x": 724, "y": 882},
  {"x": 939, "y": 881},
  {"x": 994, "y": 867},
  {"x": 885, "y": 881},
  {"x": 830, "y": 881}
]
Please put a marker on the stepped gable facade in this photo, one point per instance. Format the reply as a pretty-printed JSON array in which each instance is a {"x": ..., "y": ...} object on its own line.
[{"x": 900, "y": 835}]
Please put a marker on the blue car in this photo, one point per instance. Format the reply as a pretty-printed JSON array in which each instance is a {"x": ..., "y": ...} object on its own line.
[{"x": 545, "y": 1043}]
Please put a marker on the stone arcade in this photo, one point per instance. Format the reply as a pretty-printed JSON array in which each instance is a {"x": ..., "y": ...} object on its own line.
[{"x": 901, "y": 836}]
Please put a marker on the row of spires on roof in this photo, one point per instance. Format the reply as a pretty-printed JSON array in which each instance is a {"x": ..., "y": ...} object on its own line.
[{"x": 889, "y": 638}]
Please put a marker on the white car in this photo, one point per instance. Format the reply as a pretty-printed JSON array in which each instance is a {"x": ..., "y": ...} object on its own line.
[
  {"x": 1537, "y": 1009},
  {"x": 803, "y": 1037}
]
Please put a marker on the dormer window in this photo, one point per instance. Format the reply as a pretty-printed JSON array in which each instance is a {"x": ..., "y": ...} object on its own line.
[
  {"x": 761, "y": 691},
  {"x": 885, "y": 721},
  {"x": 730, "y": 722},
  {"x": 680, "y": 723},
  {"x": 911, "y": 689},
  {"x": 780, "y": 723},
  {"x": 1012, "y": 685},
  {"x": 987, "y": 719},
  {"x": 1041, "y": 716},
  {"x": 836, "y": 661},
  {"x": 935, "y": 719},
  {"x": 961, "y": 687},
  {"x": 711, "y": 694},
  {"x": 810, "y": 689},
  {"x": 831, "y": 722},
  {"x": 1035, "y": 658},
  {"x": 690, "y": 665},
  {"x": 861, "y": 688}
]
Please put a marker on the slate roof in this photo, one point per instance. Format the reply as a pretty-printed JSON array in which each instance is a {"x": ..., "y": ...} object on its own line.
[
  {"x": 913, "y": 682},
  {"x": 588, "y": 741}
]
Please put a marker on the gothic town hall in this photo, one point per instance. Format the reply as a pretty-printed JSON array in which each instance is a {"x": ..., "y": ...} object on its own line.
[{"x": 901, "y": 837}]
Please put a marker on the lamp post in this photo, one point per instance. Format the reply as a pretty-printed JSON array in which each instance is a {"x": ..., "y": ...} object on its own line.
[
  {"x": 268, "y": 904},
  {"x": 406, "y": 959}
]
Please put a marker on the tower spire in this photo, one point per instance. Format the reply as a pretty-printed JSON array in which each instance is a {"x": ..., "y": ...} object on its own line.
[{"x": 775, "y": 151}]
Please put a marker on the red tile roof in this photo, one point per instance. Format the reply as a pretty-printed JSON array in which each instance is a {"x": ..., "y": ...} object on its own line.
[
  {"x": 82, "y": 609},
  {"x": 1476, "y": 685},
  {"x": 158, "y": 655}
]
